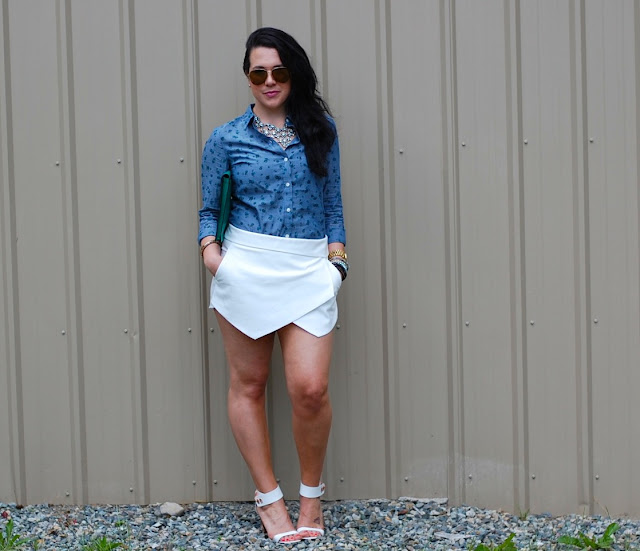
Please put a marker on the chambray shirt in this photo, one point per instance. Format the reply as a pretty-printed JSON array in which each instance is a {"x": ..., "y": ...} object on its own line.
[{"x": 274, "y": 192}]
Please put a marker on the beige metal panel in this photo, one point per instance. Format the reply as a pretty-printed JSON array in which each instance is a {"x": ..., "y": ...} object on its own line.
[
  {"x": 356, "y": 462},
  {"x": 220, "y": 99},
  {"x": 550, "y": 211},
  {"x": 484, "y": 126},
  {"x": 421, "y": 397},
  {"x": 11, "y": 489},
  {"x": 171, "y": 333},
  {"x": 223, "y": 89},
  {"x": 46, "y": 339},
  {"x": 103, "y": 230},
  {"x": 613, "y": 125},
  {"x": 292, "y": 16}
]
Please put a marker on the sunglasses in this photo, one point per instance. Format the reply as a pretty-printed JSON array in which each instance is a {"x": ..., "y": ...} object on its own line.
[{"x": 279, "y": 74}]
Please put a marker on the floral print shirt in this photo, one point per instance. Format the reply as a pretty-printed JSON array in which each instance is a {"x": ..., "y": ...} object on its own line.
[{"x": 274, "y": 192}]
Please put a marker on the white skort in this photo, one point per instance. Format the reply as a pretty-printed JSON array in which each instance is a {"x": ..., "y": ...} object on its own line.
[{"x": 266, "y": 282}]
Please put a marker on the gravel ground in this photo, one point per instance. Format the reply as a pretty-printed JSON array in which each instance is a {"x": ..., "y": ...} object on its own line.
[{"x": 406, "y": 524}]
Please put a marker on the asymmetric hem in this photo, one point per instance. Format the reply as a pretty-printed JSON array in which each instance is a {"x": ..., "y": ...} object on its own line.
[{"x": 265, "y": 282}]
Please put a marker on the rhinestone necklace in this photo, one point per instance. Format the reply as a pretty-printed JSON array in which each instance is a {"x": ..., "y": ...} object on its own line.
[{"x": 282, "y": 136}]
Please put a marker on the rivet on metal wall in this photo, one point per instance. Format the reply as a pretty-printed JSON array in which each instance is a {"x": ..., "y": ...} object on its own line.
[
  {"x": 533, "y": 476},
  {"x": 211, "y": 330},
  {"x": 63, "y": 332},
  {"x": 464, "y": 144},
  {"x": 131, "y": 489},
  {"x": 189, "y": 330},
  {"x": 401, "y": 151},
  {"x": 338, "y": 326},
  {"x": 126, "y": 331},
  {"x": 532, "y": 322},
  {"x": 119, "y": 161},
  {"x": 597, "y": 477},
  {"x": 193, "y": 482},
  {"x": 470, "y": 477},
  {"x": 592, "y": 139},
  {"x": 278, "y": 480},
  {"x": 342, "y": 479},
  {"x": 404, "y": 325},
  {"x": 182, "y": 159},
  {"x": 67, "y": 494},
  {"x": 215, "y": 481},
  {"x": 406, "y": 479},
  {"x": 57, "y": 163},
  {"x": 526, "y": 141},
  {"x": 595, "y": 320},
  {"x": 467, "y": 323}
]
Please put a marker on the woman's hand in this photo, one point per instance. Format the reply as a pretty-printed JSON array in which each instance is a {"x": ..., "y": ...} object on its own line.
[{"x": 212, "y": 257}]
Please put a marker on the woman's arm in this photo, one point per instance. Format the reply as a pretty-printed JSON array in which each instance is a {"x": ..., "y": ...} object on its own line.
[
  {"x": 214, "y": 164},
  {"x": 334, "y": 219}
]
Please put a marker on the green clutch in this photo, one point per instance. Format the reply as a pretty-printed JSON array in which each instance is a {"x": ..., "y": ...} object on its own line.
[{"x": 225, "y": 206}]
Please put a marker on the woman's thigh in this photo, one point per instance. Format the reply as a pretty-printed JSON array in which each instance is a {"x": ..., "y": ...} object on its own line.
[
  {"x": 306, "y": 359},
  {"x": 248, "y": 359}
]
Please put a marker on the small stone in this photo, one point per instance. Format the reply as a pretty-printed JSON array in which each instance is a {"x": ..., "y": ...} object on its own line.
[{"x": 171, "y": 509}]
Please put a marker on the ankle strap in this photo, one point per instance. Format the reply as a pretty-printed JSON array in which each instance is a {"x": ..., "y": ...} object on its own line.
[
  {"x": 270, "y": 497},
  {"x": 312, "y": 491}
]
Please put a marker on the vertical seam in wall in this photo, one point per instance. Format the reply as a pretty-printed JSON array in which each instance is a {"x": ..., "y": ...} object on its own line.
[
  {"x": 197, "y": 136},
  {"x": 71, "y": 248},
  {"x": 323, "y": 35},
  {"x": 523, "y": 267},
  {"x": 587, "y": 257},
  {"x": 518, "y": 266},
  {"x": 636, "y": 18},
  {"x": 457, "y": 432},
  {"x": 508, "y": 74},
  {"x": 383, "y": 53},
  {"x": 446, "y": 188},
  {"x": 577, "y": 256},
  {"x": 16, "y": 402},
  {"x": 583, "y": 402},
  {"x": 135, "y": 256}
]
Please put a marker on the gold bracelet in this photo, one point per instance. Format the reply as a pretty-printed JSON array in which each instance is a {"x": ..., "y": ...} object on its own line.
[
  {"x": 205, "y": 245},
  {"x": 338, "y": 252}
]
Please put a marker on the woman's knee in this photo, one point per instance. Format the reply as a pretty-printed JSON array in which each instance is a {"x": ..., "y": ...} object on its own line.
[
  {"x": 310, "y": 396},
  {"x": 252, "y": 388}
]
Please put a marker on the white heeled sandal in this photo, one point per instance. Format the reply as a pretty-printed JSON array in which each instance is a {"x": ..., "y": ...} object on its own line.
[
  {"x": 312, "y": 492},
  {"x": 262, "y": 500}
]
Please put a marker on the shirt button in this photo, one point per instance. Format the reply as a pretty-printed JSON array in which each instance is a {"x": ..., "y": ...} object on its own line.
[
  {"x": 287, "y": 235},
  {"x": 288, "y": 184},
  {"x": 286, "y": 159},
  {"x": 288, "y": 210}
]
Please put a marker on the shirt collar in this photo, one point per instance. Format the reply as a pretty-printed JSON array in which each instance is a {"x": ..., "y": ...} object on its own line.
[{"x": 247, "y": 118}]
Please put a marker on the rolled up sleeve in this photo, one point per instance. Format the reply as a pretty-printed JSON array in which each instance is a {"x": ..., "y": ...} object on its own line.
[{"x": 214, "y": 164}]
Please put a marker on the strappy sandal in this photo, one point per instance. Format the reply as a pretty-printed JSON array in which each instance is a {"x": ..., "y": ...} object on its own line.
[
  {"x": 312, "y": 492},
  {"x": 262, "y": 500}
]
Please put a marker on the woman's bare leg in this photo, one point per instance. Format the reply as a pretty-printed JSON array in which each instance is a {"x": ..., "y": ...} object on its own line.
[
  {"x": 306, "y": 363},
  {"x": 248, "y": 361}
]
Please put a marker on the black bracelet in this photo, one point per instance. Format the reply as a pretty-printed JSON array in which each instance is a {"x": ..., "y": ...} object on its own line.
[{"x": 343, "y": 272}]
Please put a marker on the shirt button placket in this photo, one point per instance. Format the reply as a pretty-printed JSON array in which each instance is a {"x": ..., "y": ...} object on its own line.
[{"x": 288, "y": 195}]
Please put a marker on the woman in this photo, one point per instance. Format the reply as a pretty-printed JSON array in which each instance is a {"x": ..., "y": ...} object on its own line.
[{"x": 280, "y": 266}]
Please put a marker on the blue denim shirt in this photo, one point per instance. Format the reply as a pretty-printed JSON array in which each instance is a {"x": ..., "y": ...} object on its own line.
[{"x": 274, "y": 192}]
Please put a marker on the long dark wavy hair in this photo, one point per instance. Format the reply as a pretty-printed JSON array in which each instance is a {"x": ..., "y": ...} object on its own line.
[{"x": 304, "y": 106}]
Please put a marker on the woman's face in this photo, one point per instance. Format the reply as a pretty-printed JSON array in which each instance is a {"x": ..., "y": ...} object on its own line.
[{"x": 271, "y": 95}]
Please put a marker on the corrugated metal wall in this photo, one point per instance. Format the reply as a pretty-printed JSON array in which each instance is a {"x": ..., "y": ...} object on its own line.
[{"x": 489, "y": 338}]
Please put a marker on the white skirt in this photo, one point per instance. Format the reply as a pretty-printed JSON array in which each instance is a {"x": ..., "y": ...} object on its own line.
[{"x": 264, "y": 283}]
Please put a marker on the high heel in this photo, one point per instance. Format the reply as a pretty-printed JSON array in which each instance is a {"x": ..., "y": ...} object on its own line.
[
  {"x": 311, "y": 492},
  {"x": 262, "y": 500}
]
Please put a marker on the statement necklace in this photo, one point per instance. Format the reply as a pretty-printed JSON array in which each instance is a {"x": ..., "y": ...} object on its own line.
[{"x": 282, "y": 136}]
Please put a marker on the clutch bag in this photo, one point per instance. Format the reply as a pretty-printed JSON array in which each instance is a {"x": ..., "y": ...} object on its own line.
[{"x": 225, "y": 206}]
